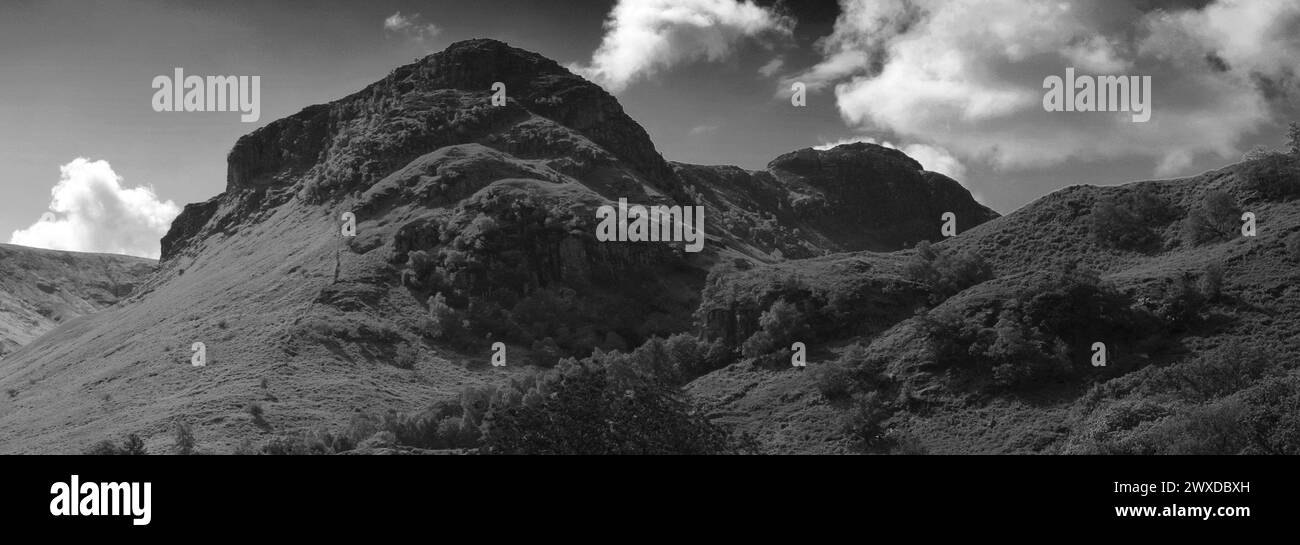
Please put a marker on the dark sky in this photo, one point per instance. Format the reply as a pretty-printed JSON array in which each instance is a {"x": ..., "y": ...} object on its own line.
[{"x": 75, "y": 82}]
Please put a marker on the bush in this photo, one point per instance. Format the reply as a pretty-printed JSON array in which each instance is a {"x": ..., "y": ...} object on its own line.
[
  {"x": 1226, "y": 370},
  {"x": 1273, "y": 175},
  {"x": 695, "y": 358},
  {"x": 865, "y": 421},
  {"x": 1127, "y": 222},
  {"x": 1179, "y": 307},
  {"x": 132, "y": 445},
  {"x": 946, "y": 275},
  {"x": 780, "y": 325},
  {"x": 1039, "y": 333},
  {"x": 594, "y": 408},
  {"x": 445, "y": 321},
  {"x": 546, "y": 353},
  {"x": 183, "y": 438},
  {"x": 1214, "y": 429},
  {"x": 1272, "y": 416},
  {"x": 1211, "y": 282},
  {"x": 834, "y": 381},
  {"x": 407, "y": 355},
  {"x": 257, "y": 412},
  {"x": 1218, "y": 218}
]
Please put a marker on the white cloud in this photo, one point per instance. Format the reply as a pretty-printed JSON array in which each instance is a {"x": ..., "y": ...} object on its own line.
[
  {"x": 643, "y": 37},
  {"x": 966, "y": 75},
  {"x": 772, "y": 67},
  {"x": 92, "y": 212},
  {"x": 932, "y": 158},
  {"x": 412, "y": 26},
  {"x": 702, "y": 129}
]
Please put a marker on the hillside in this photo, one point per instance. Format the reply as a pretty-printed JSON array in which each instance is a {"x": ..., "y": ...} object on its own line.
[
  {"x": 475, "y": 225},
  {"x": 40, "y": 289},
  {"x": 1201, "y": 337}
]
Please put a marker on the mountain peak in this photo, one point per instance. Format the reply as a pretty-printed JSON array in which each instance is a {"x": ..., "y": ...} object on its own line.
[{"x": 443, "y": 99}]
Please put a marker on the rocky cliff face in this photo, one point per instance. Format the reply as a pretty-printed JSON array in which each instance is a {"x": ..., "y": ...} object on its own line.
[{"x": 40, "y": 289}]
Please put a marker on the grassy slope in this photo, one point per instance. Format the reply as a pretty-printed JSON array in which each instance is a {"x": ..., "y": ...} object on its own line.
[
  {"x": 1261, "y": 303},
  {"x": 40, "y": 289}
]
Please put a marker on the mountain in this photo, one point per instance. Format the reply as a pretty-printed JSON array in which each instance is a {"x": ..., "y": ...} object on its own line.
[
  {"x": 40, "y": 289},
  {"x": 985, "y": 343},
  {"x": 475, "y": 224}
]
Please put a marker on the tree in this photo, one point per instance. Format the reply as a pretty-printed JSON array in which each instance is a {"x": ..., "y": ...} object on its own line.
[
  {"x": 944, "y": 273},
  {"x": 1217, "y": 218},
  {"x": 1117, "y": 226},
  {"x": 779, "y": 326},
  {"x": 584, "y": 409},
  {"x": 184, "y": 438},
  {"x": 1293, "y": 138},
  {"x": 1273, "y": 175}
]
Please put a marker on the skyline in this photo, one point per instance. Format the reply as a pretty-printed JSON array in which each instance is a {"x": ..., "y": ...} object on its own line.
[{"x": 708, "y": 79}]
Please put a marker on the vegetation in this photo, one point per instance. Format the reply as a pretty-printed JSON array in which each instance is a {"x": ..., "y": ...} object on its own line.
[
  {"x": 1274, "y": 175},
  {"x": 1128, "y": 222},
  {"x": 183, "y": 438},
  {"x": 522, "y": 266},
  {"x": 780, "y": 325},
  {"x": 946, "y": 274},
  {"x": 132, "y": 445},
  {"x": 1041, "y": 332},
  {"x": 1217, "y": 218}
]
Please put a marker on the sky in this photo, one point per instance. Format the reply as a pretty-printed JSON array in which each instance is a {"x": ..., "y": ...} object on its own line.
[{"x": 88, "y": 164}]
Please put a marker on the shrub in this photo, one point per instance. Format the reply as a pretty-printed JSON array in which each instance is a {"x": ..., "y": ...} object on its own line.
[
  {"x": 446, "y": 322},
  {"x": 1217, "y": 218},
  {"x": 865, "y": 420},
  {"x": 1214, "y": 429},
  {"x": 945, "y": 274},
  {"x": 546, "y": 353},
  {"x": 695, "y": 358},
  {"x": 1179, "y": 307},
  {"x": 183, "y": 438},
  {"x": 834, "y": 381},
  {"x": 1040, "y": 332},
  {"x": 1127, "y": 222},
  {"x": 779, "y": 326},
  {"x": 1272, "y": 416},
  {"x": 407, "y": 355},
  {"x": 591, "y": 408},
  {"x": 257, "y": 412},
  {"x": 132, "y": 445},
  {"x": 1273, "y": 175},
  {"x": 1223, "y": 371},
  {"x": 103, "y": 448}
]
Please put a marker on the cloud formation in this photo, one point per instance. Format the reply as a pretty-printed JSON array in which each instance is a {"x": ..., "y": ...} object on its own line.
[
  {"x": 411, "y": 26},
  {"x": 92, "y": 212},
  {"x": 643, "y": 37},
  {"x": 966, "y": 75}
]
